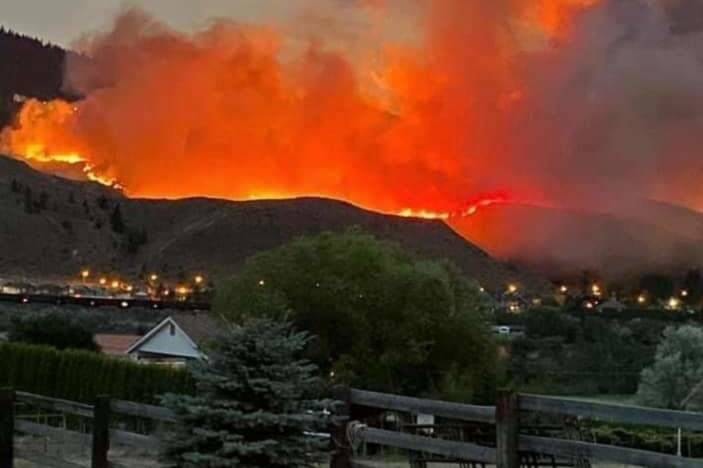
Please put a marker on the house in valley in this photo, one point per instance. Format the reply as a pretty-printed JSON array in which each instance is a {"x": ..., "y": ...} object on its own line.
[{"x": 175, "y": 340}]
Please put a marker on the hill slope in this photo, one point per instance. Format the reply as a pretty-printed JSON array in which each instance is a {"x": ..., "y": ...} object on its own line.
[
  {"x": 644, "y": 237},
  {"x": 60, "y": 226}
]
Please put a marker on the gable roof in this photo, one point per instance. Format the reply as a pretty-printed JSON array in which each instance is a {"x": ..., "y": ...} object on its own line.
[
  {"x": 199, "y": 326},
  {"x": 155, "y": 331}
]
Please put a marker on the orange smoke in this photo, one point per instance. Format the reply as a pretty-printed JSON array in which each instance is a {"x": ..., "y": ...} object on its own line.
[{"x": 244, "y": 112}]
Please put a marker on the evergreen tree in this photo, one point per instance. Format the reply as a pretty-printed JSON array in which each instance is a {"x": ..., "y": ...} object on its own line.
[
  {"x": 254, "y": 405},
  {"x": 28, "y": 201},
  {"x": 43, "y": 200},
  {"x": 116, "y": 220}
]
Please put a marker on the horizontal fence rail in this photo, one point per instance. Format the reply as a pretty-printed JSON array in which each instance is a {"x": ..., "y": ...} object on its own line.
[
  {"x": 439, "y": 408},
  {"x": 607, "y": 412},
  {"x": 157, "y": 413},
  {"x": 56, "y": 404},
  {"x": 43, "y": 430},
  {"x": 610, "y": 453},
  {"x": 447, "y": 448}
]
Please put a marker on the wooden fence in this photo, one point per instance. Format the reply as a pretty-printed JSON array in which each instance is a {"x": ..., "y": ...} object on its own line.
[
  {"x": 100, "y": 437},
  {"x": 510, "y": 448}
]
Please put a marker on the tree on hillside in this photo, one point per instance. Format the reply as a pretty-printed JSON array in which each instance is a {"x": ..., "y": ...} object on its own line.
[
  {"x": 116, "y": 220},
  {"x": 28, "y": 201},
  {"x": 52, "y": 330},
  {"x": 677, "y": 370},
  {"x": 382, "y": 319},
  {"x": 254, "y": 403}
]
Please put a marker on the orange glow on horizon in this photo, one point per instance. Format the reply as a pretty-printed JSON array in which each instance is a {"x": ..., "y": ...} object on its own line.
[{"x": 414, "y": 134}]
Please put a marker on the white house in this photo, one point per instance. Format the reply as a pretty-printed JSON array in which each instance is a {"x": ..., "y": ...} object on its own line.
[{"x": 175, "y": 340}]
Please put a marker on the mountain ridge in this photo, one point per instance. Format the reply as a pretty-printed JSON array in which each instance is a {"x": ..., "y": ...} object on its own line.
[{"x": 72, "y": 231}]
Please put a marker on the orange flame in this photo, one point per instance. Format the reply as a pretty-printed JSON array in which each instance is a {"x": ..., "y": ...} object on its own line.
[{"x": 221, "y": 113}]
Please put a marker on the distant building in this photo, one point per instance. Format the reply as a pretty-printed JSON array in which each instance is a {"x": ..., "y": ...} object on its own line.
[
  {"x": 611, "y": 305},
  {"x": 175, "y": 340},
  {"x": 17, "y": 288}
]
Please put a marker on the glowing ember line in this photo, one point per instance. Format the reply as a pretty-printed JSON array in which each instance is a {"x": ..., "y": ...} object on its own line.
[{"x": 471, "y": 209}]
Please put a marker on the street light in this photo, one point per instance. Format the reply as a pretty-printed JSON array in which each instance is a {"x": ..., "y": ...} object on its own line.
[
  {"x": 198, "y": 279},
  {"x": 154, "y": 277},
  {"x": 85, "y": 274}
]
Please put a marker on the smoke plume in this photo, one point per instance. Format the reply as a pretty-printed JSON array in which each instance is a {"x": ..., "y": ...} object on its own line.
[{"x": 433, "y": 107}]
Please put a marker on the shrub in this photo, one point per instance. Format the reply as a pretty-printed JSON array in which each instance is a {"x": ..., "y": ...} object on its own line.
[{"x": 81, "y": 375}]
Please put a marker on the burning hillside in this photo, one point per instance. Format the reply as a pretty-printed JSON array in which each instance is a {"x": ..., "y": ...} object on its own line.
[
  {"x": 246, "y": 112},
  {"x": 568, "y": 103}
]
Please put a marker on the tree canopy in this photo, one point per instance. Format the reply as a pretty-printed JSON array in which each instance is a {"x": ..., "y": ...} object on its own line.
[
  {"x": 382, "y": 319},
  {"x": 677, "y": 373}
]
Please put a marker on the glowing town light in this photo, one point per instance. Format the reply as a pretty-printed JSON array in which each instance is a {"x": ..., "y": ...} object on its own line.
[
  {"x": 563, "y": 289},
  {"x": 182, "y": 290},
  {"x": 512, "y": 288},
  {"x": 103, "y": 281},
  {"x": 674, "y": 303},
  {"x": 684, "y": 293},
  {"x": 589, "y": 305},
  {"x": 154, "y": 277},
  {"x": 85, "y": 274},
  {"x": 198, "y": 279},
  {"x": 262, "y": 283},
  {"x": 115, "y": 284},
  {"x": 129, "y": 288},
  {"x": 641, "y": 299}
]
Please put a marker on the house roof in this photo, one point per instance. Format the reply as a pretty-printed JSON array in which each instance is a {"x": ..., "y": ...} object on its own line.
[
  {"x": 197, "y": 328},
  {"x": 115, "y": 345}
]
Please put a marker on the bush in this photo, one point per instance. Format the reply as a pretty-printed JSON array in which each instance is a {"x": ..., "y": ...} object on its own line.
[
  {"x": 52, "y": 330},
  {"x": 81, "y": 375}
]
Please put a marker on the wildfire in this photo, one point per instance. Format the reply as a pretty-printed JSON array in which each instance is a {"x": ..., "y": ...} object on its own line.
[{"x": 240, "y": 112}]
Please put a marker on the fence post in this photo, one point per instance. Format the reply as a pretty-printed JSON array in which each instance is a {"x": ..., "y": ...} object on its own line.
[
  {"x": 507, "y": 430},
  {"x": 341, "y": 416},
  {"x": 101, "y": 432},
  {"x": 7, "y": 427}
]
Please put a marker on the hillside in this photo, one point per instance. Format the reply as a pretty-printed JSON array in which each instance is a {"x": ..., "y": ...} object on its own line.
[
  {"x": 644, "y": 237},
  {"x": 29, "y": 68},
  {"x": 63, "y": 226}
]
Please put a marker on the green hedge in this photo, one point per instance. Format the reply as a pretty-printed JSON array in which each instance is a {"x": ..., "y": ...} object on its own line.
[{"x": 82, "y": 375}]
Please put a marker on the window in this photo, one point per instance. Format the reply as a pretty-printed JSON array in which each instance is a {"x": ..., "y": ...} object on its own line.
[{"x": 171, "y": 329}]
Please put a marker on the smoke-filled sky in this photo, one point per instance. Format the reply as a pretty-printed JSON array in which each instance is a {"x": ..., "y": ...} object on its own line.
[
  {"x": 392, "y": 104},
  {"x": 63, "y": 21}
]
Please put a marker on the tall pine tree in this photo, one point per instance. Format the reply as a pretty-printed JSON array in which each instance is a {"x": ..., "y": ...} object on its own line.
[{"x": 254, "y": 406}]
